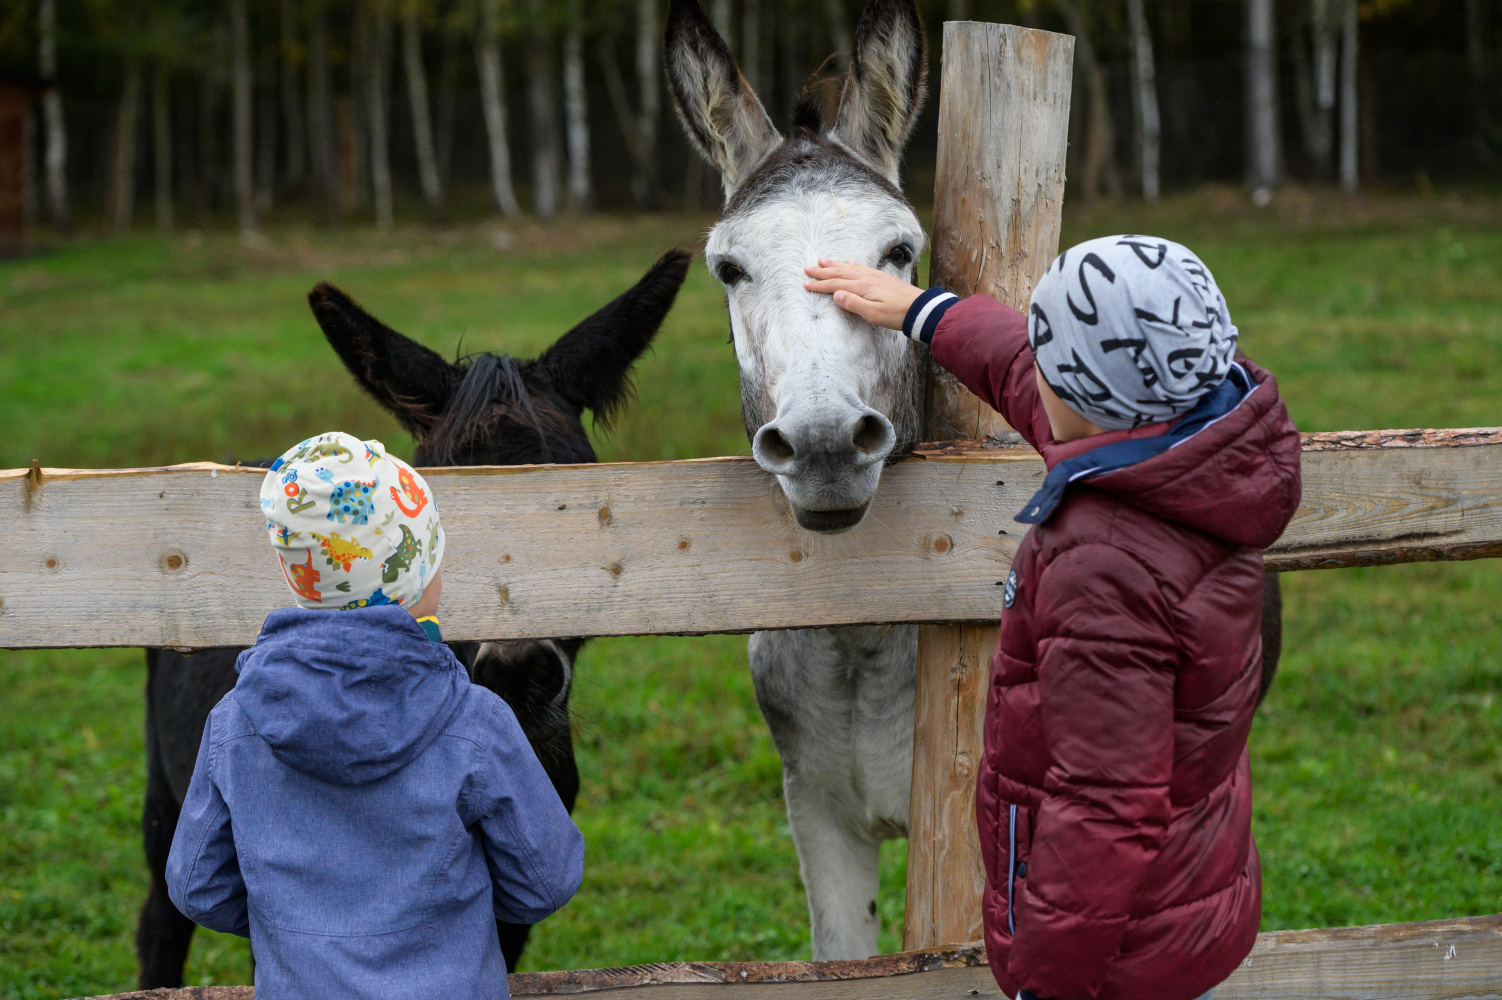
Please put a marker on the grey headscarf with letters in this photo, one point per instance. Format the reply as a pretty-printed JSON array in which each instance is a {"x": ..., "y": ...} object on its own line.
[{"x": 1130, "y": 330}]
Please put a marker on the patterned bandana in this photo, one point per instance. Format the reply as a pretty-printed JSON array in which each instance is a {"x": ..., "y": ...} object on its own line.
[
  {"x": 353, "y": 526},
  {"x": 1130, "y": 330}
]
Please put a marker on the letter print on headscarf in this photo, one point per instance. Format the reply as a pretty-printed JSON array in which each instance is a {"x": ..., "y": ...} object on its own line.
[{"x": 1130, "y": 329}]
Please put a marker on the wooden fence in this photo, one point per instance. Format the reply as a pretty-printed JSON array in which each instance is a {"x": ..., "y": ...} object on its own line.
[{"x": 178, "y": 557}]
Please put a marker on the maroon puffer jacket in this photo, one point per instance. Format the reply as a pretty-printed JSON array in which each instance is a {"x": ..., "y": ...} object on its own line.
[{"x": 1121, "y": 695}]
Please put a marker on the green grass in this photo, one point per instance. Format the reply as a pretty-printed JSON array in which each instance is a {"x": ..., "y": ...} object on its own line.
[{"x": 1377, "y": 758}]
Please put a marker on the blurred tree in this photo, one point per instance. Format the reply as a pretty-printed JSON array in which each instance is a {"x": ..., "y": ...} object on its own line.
[
  {"x": 292, "y": 57},
  {"x": 1263, "y": 149},
  {"x": 322, "y": 140},
  {"x": 417, "y": 99},
  {"x": 1349, "y": 177},
  {"x": 245, "y": 206},
  {"x": 122, "y": 198},
  {"x": 1144, "y": 77},
  {"x": 540, "y": 90},
  {"x": 161, "y": 147},
  {"x": 576, "y": 110},
  {"x": 1100, "y": 135},
  {"x": 56, "y": 157},
  {"x": 378, "y": 86},
  {"x": 493, "y": 105}
]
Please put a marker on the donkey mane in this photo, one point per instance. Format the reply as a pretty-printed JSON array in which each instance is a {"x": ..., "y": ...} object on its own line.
[
  {"x": 806, "y": 157},
  {"x": 489, "y": 381}
]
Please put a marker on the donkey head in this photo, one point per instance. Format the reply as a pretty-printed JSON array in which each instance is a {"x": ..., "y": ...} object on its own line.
[
  {"x": 494, "y": 410},
  {"x": 827, "y": 398}
]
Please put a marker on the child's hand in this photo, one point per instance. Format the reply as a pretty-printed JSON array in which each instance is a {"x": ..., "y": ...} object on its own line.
[{"x": 873, "y": 295}]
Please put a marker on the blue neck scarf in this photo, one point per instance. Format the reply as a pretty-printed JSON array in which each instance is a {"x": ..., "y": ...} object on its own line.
[{"x": 1215, "y": 404}]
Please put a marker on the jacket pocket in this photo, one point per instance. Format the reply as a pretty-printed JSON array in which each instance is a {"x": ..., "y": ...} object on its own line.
[{"x": 1017, "y": 829}]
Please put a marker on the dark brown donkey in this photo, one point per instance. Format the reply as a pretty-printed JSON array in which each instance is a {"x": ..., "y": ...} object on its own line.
[{"x": 490, "y": 410}]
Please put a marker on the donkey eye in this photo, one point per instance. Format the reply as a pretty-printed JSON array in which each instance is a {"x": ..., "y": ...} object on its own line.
[
  {"x": 899, "y": 256},
  {"x": 729, "y": 273}
]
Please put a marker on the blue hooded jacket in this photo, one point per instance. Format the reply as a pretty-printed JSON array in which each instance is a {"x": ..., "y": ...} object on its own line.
[{"x": 363, "y": 813}]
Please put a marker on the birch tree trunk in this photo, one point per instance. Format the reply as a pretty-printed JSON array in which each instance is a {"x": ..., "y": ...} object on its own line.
[
  {"x": 297, "y": 129},
  {"x": 493, "y": 101},
  {"x": 1263, "y": 158},
  {"x": 244, "y": 152},
  {"x": 123, "y": 172},
  {"x": 417, "y": 98},
  {"x": 1149, "y": 125},
  {"x": 161, "y": 147},
  {"x": 321, "y": 115},
  {"x": 56, "y": 157},
  {"x": 544, "y": 126},
  {"x": 576, "y": 115},
  {"x": 1349, "y": 176},
  {"x": 377, "y": 79},
  {"x": 649, "y": 90}
]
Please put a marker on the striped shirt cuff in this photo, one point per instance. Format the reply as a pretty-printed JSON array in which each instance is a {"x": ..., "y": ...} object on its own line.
[{"x": 924, "y": 314}]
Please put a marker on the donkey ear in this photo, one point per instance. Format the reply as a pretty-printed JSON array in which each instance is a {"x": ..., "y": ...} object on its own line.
[
  {"x": 884, "y": 88},
  {"x": 719, "y": 110},
  {"x": 590, "y": 366},
  {"x": 405, "y": 377}
]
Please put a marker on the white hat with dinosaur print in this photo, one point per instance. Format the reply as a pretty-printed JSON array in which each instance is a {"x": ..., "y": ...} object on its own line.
[{"x": 353, "y": 526}]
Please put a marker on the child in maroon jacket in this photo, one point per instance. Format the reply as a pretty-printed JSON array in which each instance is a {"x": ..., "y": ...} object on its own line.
[{"x": 1114, "y": 798}]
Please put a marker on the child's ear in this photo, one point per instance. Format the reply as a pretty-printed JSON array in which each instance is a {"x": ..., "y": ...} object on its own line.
[{"x": 408, "y": 379}]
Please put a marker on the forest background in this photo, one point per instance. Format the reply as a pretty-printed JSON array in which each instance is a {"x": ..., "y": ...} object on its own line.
[{"x": 176, "y": 112}]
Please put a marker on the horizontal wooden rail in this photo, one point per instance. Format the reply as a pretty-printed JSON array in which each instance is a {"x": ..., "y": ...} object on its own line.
[
  {"x": 178, "y": 556},
  {"x": 1437, "y": 960}
]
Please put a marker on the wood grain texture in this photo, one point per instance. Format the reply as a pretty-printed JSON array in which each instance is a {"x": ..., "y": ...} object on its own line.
[
  {"x": 178, "y": 557},
  {"x": 998, "y": 205},
  {"x": 1435, "y": 960},
  {"x": 944, "y": 873},
  {"x": 998, "y": 185}
]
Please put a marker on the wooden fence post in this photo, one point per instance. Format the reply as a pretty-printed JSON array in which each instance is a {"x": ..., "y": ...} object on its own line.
[{"x": 998, "y": 194}]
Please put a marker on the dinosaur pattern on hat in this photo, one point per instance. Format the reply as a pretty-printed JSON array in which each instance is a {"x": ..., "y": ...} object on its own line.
[{"x": 370, "y": 518}]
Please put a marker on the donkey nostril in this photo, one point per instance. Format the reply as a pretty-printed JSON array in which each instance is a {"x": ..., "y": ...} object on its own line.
[
  {"x": 776, "y": 447},
  {"x": 870, "y": 433}
]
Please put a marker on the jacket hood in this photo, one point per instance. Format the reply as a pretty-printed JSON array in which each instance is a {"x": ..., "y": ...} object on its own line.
[
  {"x": 347, "y": 696},
  {"x": 1238, "y": 479}
]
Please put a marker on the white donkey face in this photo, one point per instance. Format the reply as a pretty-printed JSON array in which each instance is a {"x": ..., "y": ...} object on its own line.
[
  {"x": 820, "y": 386},
  {"x": 826, "y": 397}
]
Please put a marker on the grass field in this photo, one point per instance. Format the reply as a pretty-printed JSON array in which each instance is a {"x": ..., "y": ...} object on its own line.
[{"x": 1377, "y": 758}]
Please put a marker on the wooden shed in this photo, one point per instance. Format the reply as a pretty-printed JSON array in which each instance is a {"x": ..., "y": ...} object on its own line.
[{"x": 18, "y": 93}]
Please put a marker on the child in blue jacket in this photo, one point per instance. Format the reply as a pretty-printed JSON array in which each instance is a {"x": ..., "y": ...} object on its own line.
[{"x": 359, "y": 809}]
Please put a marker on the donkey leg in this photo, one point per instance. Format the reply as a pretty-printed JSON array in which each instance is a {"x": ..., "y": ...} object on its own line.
[
  {"x": 513, "y": 941},
  {"x": 1272, "y": 632},
  {"x": 162, "y": 933},
  {"x": 839, "y": 866}
]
